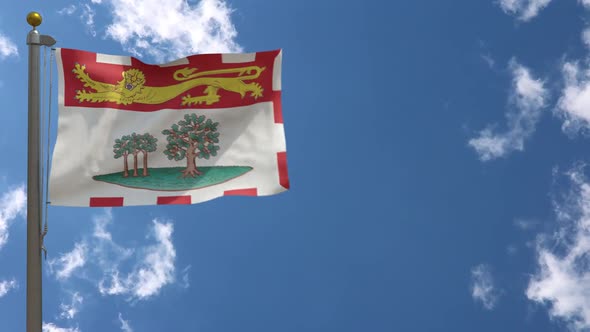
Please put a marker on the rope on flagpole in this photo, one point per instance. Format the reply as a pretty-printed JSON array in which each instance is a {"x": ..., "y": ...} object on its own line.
[
  {"x": 41, "y": 145},
  {"x": 42, "y": 126},
  {"x": 46, "y": 151}
]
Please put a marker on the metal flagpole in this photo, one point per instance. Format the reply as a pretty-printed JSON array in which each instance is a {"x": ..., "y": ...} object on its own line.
[{"x": 34, "y": 294}]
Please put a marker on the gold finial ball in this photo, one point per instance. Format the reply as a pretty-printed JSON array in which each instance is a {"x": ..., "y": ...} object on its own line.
[{"x": 34, "y": 19}]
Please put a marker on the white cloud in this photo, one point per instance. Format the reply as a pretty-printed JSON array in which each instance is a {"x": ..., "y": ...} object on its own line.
[
  {"x": 100, "y": 226},
  {"x": 154, "y": 271},
  {"x": 86, "y": 15},
  {"x": 574, "y": 102},
  {"x": 69, "y": 10},
  {"x": 482, "y": 286},
  {"x": 526, "y": 224},
  {"x": 491, "y": 146},
  {"x": 488, "y": 60},
  {"x": 50, "y": 327},
  {"x": 12, "y": 204},
  {"x": 523, "y": 9},
  {"x": 527, "y": 99},
  {"x": 125, "y": 327},
  {"x": 586, "y": 37},
  {"x": 68, "y": 263},
  {"x": 511, "y": 250},
  {"x": 179, "y": 28},
  {"x": 7, "y": 47},
  {"x": 99, "y": 250},
  {"x": 157, "y": 268},
  {"x": 69, "y": 311},
  {"x": 105, "y": 252},
  {"x": 185, "y": 279},
  {"x": 6, "y": 286},
  {"x": 563, "y": 278},
  {"x": 116, "y": 286}
]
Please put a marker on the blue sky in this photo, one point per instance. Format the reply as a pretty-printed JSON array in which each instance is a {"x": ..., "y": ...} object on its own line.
[{"x": 437, "y": 155}]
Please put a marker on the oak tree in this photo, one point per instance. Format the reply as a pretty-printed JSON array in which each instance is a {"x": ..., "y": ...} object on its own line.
[{"x": 191, "y": 138}]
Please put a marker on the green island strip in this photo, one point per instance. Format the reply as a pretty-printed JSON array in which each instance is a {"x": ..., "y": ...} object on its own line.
[{"x": 170, "y": 178}]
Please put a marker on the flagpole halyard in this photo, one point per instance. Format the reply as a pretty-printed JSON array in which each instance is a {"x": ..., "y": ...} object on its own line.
[{"x": 34, "y": 292}]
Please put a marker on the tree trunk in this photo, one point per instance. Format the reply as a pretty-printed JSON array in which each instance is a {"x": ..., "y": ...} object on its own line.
[
  {"x": 191, "y": 166},
  {"x": 145, "y": 163},
  {"x": 135, "y": 164},
  {"x": 125, "y": 166}
]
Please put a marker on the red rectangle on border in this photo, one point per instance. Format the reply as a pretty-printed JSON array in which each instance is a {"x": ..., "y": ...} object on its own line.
[
  {"x": 106, "y": 201},
  {"x": 241, "y": 192},
  {"x": 277, "y": 106},
  {"x": 282, "y": 166},
  {"x": 169, "y": 200}
]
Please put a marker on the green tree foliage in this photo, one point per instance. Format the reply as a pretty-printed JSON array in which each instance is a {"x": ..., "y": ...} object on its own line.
[
  {"x": 133, "y": 145},
  {"x": 191, "y": 138},
  {"x": 148, "y": 143}
]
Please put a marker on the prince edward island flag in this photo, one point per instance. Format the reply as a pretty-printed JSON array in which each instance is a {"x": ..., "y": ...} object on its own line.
[{"x": 183, "y": 132}]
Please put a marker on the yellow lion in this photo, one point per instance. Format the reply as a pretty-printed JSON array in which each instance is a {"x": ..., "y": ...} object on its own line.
[{"x": 132, "y": 88}]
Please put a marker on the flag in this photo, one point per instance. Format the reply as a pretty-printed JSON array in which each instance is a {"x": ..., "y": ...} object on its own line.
[{"x": 183, "y": 132}]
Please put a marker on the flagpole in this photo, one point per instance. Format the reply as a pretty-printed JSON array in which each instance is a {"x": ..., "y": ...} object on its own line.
[{"x": 34, "y": 292}]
